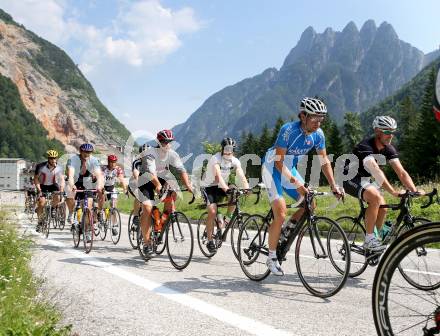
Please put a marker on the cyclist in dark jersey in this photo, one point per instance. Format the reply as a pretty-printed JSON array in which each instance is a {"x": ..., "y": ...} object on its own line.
[
  {"x": 372, "y": 152},
  {"x": 82, "y": 170}
]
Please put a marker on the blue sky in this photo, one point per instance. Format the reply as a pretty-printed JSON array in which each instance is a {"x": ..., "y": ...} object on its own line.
[{"x": 153, "y": 63}]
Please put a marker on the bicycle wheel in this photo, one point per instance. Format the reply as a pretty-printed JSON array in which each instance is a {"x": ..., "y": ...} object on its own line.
[
  {"x": 96, "y": 227},
  {"x": 132, "y": 231},
  {"x": 316, "y": 254},
  {"x": 253, "y": 252},
  {"x": 115, "y": 226},
  {"x": 87, "y": 230},
  {"x": 46, "y": 222},
  {"x": 355, "y": 233},
  {"x": 61, "y": 215},
  {"x": 103, "y": 225},
  {"x": 179, "y": 240},
  {"x": 234, "y": 230},
  {"x": 160, "y": 242},
  {"x": 413, "y": 266},
  {"x": 202, "y": 235},
  {"x": 140, "y": 244},
  {"x": 398, "y": 307},
  {"x": 76, "y": 233}
]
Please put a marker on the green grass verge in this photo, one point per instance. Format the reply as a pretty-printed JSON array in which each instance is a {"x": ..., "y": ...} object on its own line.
[
  {"x": 326, "y": 205},
  {"x": 22, "y": 311}
]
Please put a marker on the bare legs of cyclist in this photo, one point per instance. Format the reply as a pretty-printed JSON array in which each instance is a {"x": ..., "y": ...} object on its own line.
[
  {"x": 145, "y": 221},
  {"x": 374, "y": 216},
  {"x": 279, "y": 210}
]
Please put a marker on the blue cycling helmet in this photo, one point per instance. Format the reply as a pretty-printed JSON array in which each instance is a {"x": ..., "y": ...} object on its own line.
[{"x": 86, "y": 147}]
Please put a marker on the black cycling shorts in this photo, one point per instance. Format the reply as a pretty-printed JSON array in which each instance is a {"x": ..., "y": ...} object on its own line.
[
  {"x": 357, "y": 185},
  {"x": 213, "y": 194},
  {"x": 49, "y": 188}
]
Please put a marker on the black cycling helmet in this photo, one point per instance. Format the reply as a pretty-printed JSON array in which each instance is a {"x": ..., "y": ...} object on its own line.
[{"x": 228, "y": 142}]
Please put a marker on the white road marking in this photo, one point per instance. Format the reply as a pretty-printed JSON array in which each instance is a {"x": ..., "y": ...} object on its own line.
[{"x": 236, "y": 320}]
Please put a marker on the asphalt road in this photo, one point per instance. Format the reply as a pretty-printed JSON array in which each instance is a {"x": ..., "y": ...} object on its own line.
[{"x": 112, "y": 291}]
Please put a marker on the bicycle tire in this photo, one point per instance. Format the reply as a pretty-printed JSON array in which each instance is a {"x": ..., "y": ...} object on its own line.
[
  {"x": 87, "y": 228},
  {"x": 385, "y": 294},
  {"x": 250, "y": 250},
  {"x": 46, "y": 222},
  {"x": 118, "y": 226},
  {"x": 355, "y": 233},
  {"x": 406, "y": 273},
  {"x": 76, "y": 233},
  {"x": 235, "y": 229},
  {"x": 140, "y": 244},
  {"x": 103, "y": 226},
  {"x": 179, "y": 240},
  {"x": 61, "y": 215},
  {"x": 202, "y": 236},
  {"x": 132, "y": 232},
  {"x": 319, "y": 229}
]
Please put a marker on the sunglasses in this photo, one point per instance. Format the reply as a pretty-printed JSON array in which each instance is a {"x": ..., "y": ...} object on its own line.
[
  {"x": 388, "y": 132},
  {"x": 316, "y": 118}
]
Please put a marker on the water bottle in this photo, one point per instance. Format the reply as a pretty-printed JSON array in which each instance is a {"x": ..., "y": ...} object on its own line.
[
  {"x": 386, "y": 229},
  {"x": 156, "y": 217},
  {"x": 287, "y": 227},
  {"x": 220, "y": 220}
]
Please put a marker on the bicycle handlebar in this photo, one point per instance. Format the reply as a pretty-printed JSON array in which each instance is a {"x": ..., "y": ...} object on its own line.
[{"x": 431, "y": 198}]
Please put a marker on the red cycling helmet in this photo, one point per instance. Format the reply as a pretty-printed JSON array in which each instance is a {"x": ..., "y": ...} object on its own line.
[
  {"x": 112, "y": 158},
  {"x": 165, "y": 136}
]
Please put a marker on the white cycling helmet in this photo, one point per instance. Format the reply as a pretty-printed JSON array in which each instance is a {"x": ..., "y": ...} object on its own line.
[
  {"x": 313, "y": 106},
  {"x": 384, "y": 122}
]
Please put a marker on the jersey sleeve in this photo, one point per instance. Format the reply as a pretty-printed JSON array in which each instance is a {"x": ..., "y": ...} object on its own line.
[
  {"x": 236, "y": 163},
  {"x": 391, "y": 153},
  {"x": 38, "y": 168},
  {"x": 176, "y": 162},
  {"x": 320, "y": 141},
  {"x": 283, "y": 136},
  {"x": 119, "y": 172}
]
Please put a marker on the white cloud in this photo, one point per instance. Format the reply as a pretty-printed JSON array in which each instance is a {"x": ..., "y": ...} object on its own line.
[
  {"x": 44, "y": 18},
  {"x": 143, "y": 33}
]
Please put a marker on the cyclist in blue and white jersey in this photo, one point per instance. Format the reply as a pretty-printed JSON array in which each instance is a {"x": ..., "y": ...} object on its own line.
[{"x": 279, "y": 172}]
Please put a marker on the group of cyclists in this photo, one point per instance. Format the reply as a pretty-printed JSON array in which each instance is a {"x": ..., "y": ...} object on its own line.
[{"x": 154, "y": 166}]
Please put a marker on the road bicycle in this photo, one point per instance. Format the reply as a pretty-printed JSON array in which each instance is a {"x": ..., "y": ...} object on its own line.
[
  {"x": 322, "y": 254},
  {"x": 355, "y": 231},
  {"x": 176, "y": 235},
  {"x": 219, "y": 233},
  {"x": 398, "y": 307},
  {"x": 83, "y": 221},
  {"x": 110, "y": 219}
]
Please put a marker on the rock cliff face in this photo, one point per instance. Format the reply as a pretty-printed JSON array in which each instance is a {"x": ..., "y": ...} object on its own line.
[
  {"x": 351, "y": 70},
  {"x": 54, "y": 90}
]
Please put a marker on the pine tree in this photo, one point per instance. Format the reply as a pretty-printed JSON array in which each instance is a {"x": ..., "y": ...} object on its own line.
[
  {"x": 426, "y": 148},
  {"x": 279, "y": 123},
  {"x": 409, "y": 120},
  {"x": 264, "y": 142},
  {"x": 353, "y": 132}
]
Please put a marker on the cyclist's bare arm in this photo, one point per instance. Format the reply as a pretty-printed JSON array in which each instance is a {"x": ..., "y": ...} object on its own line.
[
  {"x": 186, "y": 181},
  {"x": 218, "y": 176},
  {"x": 99, "y": 178},
  {"x": 242, "y": 177},
  {"x": 326, "y": 168},
  {"x": 37, "y": 182},
  {"x": 70, "y": 174},
  {"x": 280, "y": 153},
  {"x": 373, "y": 168},
  {"x": 403, "y": 175}
]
